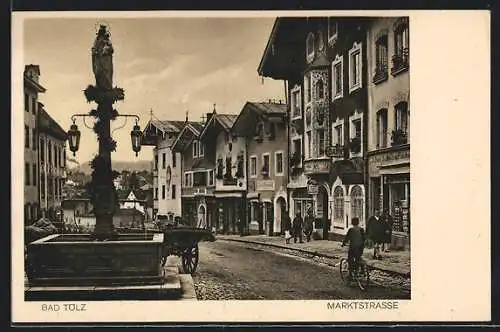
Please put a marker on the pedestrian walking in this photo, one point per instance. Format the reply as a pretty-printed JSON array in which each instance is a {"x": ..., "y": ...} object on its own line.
[
  {"x": 375, "y": 229},
  {"x": 287, "y": 225},
  {"x": 356, "y": 238},
  {"x": 387, "y": 221},
  {"x": 308, "y": 225},
  {"x": 297, "y": 228}
]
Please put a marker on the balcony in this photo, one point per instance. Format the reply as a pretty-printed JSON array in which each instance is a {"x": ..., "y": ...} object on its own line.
[
  {"x": 380, "y": 74},
  {"x": 317, "y": 166},
  {"x": 336, "y": 152},
  {"x": 400, "y": 62},
  {"x": 399, "y": 137}
]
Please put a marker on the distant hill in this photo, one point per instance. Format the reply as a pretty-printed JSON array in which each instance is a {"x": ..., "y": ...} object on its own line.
[{"x": 140, "y": 165}]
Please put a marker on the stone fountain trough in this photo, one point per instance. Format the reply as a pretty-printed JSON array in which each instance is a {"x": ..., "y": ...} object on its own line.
[{"x": 73, "y": 263}]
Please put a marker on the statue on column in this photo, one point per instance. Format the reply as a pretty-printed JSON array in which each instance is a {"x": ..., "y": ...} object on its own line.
[{"x": 102, "y": 59}]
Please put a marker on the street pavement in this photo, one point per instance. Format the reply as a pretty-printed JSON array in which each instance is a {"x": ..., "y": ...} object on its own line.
[
  {"x": 393, "y": 262},
  {"x": 231, "y": 270}
]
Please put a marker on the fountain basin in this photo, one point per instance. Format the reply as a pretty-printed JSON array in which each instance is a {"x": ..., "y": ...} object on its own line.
[{"x": 77, "y": 260}]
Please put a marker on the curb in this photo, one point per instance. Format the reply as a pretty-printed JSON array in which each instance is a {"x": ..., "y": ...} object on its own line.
[{"x": 315, "y": 253}]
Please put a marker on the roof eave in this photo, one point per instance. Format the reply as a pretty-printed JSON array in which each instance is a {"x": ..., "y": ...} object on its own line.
[{"x": 34, "y": 85}]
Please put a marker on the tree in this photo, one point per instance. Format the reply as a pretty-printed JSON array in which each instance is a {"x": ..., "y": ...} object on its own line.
[{"x": 133, "y": 181}]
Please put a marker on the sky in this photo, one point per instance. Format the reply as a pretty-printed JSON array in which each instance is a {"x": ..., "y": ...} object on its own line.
[{"x": 167, "y": 65}]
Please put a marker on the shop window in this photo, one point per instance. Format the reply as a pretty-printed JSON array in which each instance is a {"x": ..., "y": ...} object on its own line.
[
  {"x": 338, "y": 205},
  {"x": 357, "y": 200}
]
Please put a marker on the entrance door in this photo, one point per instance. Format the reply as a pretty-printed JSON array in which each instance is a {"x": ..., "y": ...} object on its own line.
[
  {"x": 323, "y": 198},
  {"x": 202, "y": 218},
  {"x": 280, "y": 211}
]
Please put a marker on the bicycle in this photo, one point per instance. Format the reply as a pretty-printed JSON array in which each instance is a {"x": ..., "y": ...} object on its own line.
[{"x": 361, "y": 275}]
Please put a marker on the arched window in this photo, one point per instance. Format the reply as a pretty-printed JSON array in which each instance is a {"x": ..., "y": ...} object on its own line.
[
  {"x": 357, "y": 200},
  {"x": 338, "y": 204}
]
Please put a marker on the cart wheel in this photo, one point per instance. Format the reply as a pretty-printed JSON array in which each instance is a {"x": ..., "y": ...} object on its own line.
[{"x": 190, "y": 259}]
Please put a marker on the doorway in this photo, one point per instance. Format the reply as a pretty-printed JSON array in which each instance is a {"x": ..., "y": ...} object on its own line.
[
  {"x": 280, "y": 211},
  {"x": 202, "y": 217}
]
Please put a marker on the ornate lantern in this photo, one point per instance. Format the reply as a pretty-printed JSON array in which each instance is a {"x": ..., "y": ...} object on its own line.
[
  {"x": 136, "y": 135},
  {"x": 74, "y": 138}
]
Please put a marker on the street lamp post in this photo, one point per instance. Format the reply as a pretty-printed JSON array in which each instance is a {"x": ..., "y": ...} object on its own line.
[{"x": 103, "y": 192}]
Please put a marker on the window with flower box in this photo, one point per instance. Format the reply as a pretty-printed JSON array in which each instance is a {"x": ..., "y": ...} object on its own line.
[
  {"x": 400, "y": 59},
  {"x": 400, "y": 132}
]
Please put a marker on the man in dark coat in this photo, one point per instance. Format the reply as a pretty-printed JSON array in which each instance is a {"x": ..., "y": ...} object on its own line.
[
  {"x": 287, "y": 225},
  {"x": 387, "y": 237},
  {"x": 308, "y": 225},
  {"x": 297, "y": 228},
  {"x": 375, "y": 230}
]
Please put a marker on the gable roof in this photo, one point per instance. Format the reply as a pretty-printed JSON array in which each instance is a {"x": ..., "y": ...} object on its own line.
[
  {"x": 49, "y": 126},
  {"x": 219, "y": 122},
  {"x": 253, "y": 111},
  {"x": 190, "y": 131}
]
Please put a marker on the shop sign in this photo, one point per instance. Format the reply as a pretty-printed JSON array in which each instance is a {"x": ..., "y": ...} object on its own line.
[
  {"x": 317, "y": 166},
  {"x": 390, "y": 156},
  {"x": 263, "y": 185}
]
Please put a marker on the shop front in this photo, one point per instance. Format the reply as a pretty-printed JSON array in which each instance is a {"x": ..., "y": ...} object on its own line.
[
  {"x": 389, "y": 173},
  {"x": 230, "y": 213}
]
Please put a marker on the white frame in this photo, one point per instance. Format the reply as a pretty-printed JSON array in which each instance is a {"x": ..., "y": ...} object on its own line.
[
  {"x": 263, "y": 163},
  {"x": 276, "y": 153},
  {"x": 356, "y": 116},
  {"x": 339, "y": 60},
  {"x": 356, "y": 47},
  {"x": 189, "y": 182},
  {"x": 201, "y": 149},
  {"x": 296, "y": 90},
  {"x": 338, "y": 122},
  {"x": 195, "y": 149},
  {"x": 211, "y": 184},
  {"x": 307, "y": 102},
  {"x": 310, "y": 53},
  {"x": 332, "y": 38},
  {"x": 254, "y": 157}
]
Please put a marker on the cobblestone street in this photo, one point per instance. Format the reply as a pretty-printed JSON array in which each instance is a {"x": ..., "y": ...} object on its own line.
[{"x": 243, "y": 271}]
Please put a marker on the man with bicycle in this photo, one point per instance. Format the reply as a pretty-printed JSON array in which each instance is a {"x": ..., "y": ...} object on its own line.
[{"x": 356, "y": 238}]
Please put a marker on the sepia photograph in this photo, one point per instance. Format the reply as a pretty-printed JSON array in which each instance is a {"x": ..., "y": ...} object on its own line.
[{"x": 195, "y": 159}]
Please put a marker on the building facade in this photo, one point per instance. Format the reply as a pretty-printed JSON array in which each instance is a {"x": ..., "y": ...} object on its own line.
[
  {"x": 264, "y": 128},
  {"x": 230, "y": 172},
  {"x": 32, "y": 88},
  {"x": 389, "y": 123},
  {"x": 52, "y": 160},
  {"x": 167, "y": 173},
  {"x": 198, "y": 163},
  {"x": 323, "y": 62}
]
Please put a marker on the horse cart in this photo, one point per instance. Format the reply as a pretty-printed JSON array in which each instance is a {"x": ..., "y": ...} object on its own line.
[{"x": 183, "y": 242}]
